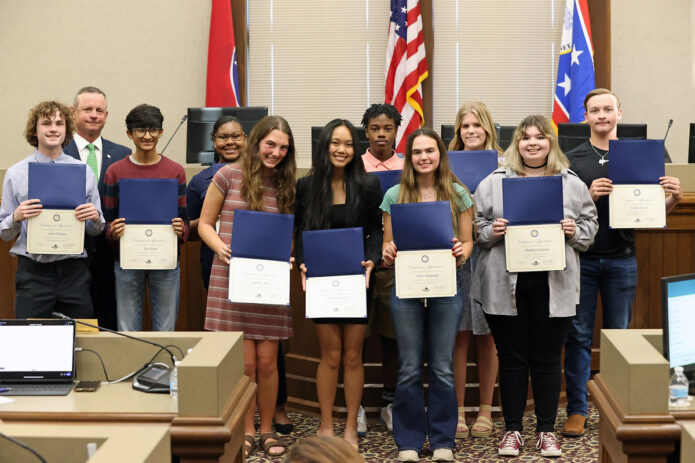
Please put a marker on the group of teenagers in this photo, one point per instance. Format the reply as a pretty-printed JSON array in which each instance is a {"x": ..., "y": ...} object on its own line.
[{"x": 520, "y": 322}]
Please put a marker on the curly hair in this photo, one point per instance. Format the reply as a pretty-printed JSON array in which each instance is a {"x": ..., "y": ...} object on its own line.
[
  {"x": 46, "y": 109},
  {"x": 479, "y": 110},
  {"x": 556, "y": 158},
  {"x": 284, "y": 176},
  {"x": 377, "y": 109},
  {"x": 444, "y": 178}
]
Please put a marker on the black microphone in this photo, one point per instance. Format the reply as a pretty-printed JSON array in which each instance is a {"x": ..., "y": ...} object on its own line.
[
  {"x": 670, "y": 123},
  {"x": 24, "y": 446},
  {"x": 101, "y": 328},
  {"x": 183, "y": 119}
]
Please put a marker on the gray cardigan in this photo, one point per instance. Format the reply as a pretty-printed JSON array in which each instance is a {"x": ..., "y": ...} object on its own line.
[{"x": 492, "y": 287}]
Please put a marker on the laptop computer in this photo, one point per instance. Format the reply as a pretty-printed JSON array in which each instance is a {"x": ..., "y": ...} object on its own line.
[{"x": 37, "y": 357}]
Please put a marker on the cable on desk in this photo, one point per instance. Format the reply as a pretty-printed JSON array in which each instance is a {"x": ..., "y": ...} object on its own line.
[
  {"x": 81, "y": 349},
  {"x": 24, "y": 446}
]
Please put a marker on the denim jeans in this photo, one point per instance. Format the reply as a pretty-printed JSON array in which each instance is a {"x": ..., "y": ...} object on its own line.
[
  {"x": 164, "y": 297},
  {"x": 616, "y": 280},
  {"x": 425, "y": 325}
]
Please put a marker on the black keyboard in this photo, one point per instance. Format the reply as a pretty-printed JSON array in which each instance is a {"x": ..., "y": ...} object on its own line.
[{"x": 37, "y": 389}]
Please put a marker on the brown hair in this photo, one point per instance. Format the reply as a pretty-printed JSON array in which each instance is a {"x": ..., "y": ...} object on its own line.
[
  {"x": 556, "y": 158},
  {"x": 46, "y": 109},
  {"x": 284, "y": 176},
  {"x": 600, "y": 91},
  {"x": 323, "y": 449},
  {"x": 444, "y": 178},
  {"x": 479, "y": 109}
]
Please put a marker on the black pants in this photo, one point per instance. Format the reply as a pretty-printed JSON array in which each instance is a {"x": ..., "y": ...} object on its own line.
[
  {"x": 61, "y": 286},
  {"x": 103, "y": 286},
  {"x": 531, "y": 342}
]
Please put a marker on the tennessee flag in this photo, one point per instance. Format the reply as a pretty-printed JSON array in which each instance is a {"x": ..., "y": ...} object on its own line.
[
  {"x": 575, "y": 70},
  {"x": 222, "y": 87}
]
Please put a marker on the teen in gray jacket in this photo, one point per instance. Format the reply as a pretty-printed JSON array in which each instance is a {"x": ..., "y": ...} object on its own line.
[{"x": 529, "y": 313}]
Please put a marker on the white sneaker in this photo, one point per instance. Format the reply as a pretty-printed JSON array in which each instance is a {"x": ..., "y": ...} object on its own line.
[
  {"x": 443, "y": 455},
  {"x": 361, "y": 422},
  {"x": 408, "y": 455},
  {"x": 387, "y": 416}
]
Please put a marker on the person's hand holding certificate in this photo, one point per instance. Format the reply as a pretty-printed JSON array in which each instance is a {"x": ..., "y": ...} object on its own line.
[
  {"x": 336, "y": 284},
  {"x": 61, "y": 192},
  {"x": 148, "y": 223},
  {"x": 259, "y": 268},
  {"x": 534, "y": 237},
  {"x": 637, "y": 200},
  {"x": 425, "y": 266}
]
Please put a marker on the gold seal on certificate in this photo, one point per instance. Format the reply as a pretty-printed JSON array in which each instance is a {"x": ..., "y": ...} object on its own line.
[
  {"x": 55, "y": 231},
  {"x": 428, "y": 273},
  {"x": 148, "y": 247},
  {"x": 342, "y": 296},
  {"x": 259, "y": 281},
  {"x": 637, "y": 206},
  {"x": 535, "y": 248}
]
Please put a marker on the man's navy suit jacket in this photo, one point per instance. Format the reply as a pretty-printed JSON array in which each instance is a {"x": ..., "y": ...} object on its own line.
[{"x": 111, "y": 152}]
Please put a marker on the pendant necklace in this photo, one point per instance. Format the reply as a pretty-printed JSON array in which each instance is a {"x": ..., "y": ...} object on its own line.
[{"x": 603, "y": 159}]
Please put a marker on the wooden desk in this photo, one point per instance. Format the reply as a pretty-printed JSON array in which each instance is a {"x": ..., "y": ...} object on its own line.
[
  {"x": 206, "y": 423},
  {"x": 68, "y": 443}
]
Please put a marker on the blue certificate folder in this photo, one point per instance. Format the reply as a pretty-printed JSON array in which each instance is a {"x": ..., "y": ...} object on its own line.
[
  {"x": 333, "y": 252},
  {"x": 262, "y": 235},
  {"x": 418, "y": 226},
  {"x": 532, "y": 200},
  {"x": 58, "y": 186},
  {"x": 635, "y": 162},
  {"x": 148, "y": 200},
  {"x": 388, "y": 178},
  {"x": 471, "y": 167}
]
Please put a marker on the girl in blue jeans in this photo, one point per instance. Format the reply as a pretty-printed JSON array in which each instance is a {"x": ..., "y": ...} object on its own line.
[{"x": 427, "y": 325}]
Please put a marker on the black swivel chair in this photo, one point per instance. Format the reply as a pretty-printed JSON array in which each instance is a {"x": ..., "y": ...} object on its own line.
[
  {"x": 572, "y": 135},
  {"x": 691, "y": 145}
]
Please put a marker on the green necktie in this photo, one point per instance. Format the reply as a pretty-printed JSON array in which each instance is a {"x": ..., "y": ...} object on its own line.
[{"x": 92, "y": 160}]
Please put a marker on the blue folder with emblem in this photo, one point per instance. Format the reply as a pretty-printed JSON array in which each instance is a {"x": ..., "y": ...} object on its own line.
[
  {"x": 262, "y": 235},
  {"x": 388, "y": 178},
  {"x": 58, "y": 186},
  {"x": 148, "y": 200},
  {"x": 635, "y": 162},
  {"x": 471, "y": 167},
  {"x": 339, "y": 251},
  {"x": 418, "y": 226},
  {"x": 532, "y": 200}
]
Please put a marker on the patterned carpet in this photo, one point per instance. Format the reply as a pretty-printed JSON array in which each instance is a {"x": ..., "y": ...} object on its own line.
[{"x": 378, "y": 445}]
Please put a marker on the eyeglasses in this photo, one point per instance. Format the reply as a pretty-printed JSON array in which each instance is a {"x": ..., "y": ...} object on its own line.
[
  {"x": 141, "y": 132},
  {"x": 223, "y": 137}
]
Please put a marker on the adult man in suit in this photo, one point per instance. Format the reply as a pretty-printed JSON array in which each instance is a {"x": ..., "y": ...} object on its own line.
[{"x": 90, "y": 113}]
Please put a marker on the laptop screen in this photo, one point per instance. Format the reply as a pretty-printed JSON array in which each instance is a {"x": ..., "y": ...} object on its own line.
[{"x": 37, "y": 350}]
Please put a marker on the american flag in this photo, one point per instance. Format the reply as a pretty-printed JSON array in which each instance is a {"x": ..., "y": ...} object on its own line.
[
  {"x": 222, "y": 87},
  {"x": 575, "y": 70},
  {"x": 406, "y": 67}
]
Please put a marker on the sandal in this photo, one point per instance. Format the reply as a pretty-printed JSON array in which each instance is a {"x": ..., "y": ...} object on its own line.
[
  {"x": 461, "y": 427},
  {"x": 249, "y": 445},
  {"x": 270, "y": 440},
  {"x": 483, "y": 425}
]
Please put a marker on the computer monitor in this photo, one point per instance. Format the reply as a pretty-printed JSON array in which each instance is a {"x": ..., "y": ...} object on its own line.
[
  {"x": 678, "y": 322},
  {"x": 363, "y": 142},
  {"x": 571, "y": 135},
  {"x": 199, "y": 147},
  {"x": 691, "y": 145}
]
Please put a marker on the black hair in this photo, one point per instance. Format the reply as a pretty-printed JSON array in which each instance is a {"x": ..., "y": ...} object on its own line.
[
  {"x": 222, "y": 121},
  {"x": 377, "y": 109},
  {"x": 318, "y": 211},
  {"x": 144, "y": 116}
]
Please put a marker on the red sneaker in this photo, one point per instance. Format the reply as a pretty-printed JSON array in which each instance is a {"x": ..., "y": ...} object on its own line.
[
  {"x": 511, "y": 442},
  {"x": 548, "y": 445}
]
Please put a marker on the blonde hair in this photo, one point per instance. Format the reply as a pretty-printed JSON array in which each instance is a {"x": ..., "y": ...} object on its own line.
[
  {"x": 556, "y": 158},
  {"x": 323, "y": 449},
  {"x": 444, "y": 178},
  {"x": 284, "y": 177},
  {"x": 479, "y": 110},
  {"x": 600, "y": 91}
]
